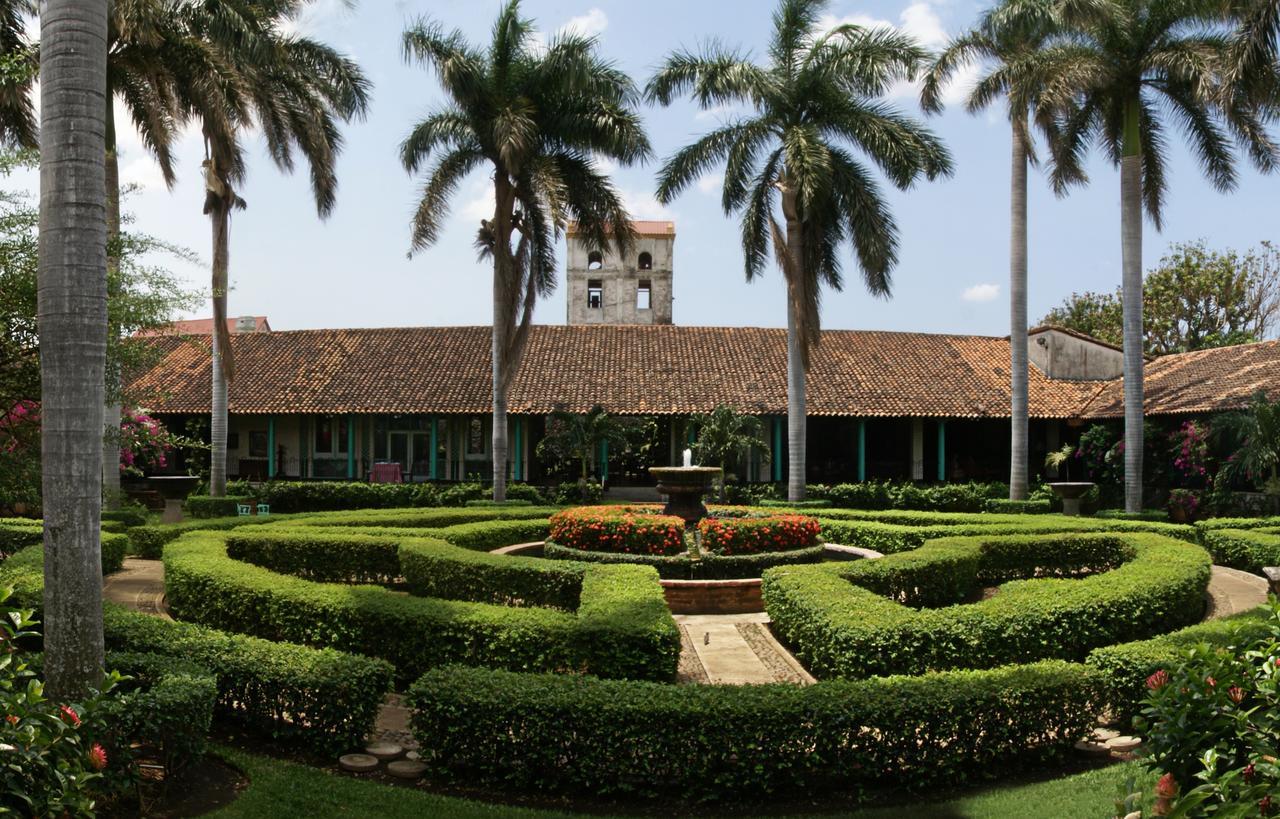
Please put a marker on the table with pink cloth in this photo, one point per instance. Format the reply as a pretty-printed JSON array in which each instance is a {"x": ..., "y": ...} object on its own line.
[{"x": 386, "y": 473}]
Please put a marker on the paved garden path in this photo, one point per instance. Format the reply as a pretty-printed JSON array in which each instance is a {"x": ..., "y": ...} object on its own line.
[
  {"x": 138, "y": 586},
  {"x": 734, "y": 649},
  {"x": 1232, "y": 591}
]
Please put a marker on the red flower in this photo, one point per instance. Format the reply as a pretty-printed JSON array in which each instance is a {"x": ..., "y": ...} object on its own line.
[
  {"x": 1248, "y": 772},
  {"x": 12, "y": 719},
  {"x": 1236, "y": 693},
  {"x": 69, "y": 715},
  {"x": 1211, "y": 681},
  {"x": 1264, "y": 805},
  {"x": 1167, "y": 786},
  {"x": 97, "y": 757},
  {"x": 1158, "y": 680}
]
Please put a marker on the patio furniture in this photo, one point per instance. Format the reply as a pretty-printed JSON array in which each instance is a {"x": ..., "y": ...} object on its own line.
[
  {"x": 386, "y": 472},
  {"x": 264, "y": 509},
  {"x": 244, "y": 509}
]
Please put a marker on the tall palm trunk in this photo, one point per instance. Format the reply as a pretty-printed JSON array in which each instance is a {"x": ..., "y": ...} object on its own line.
[
  {"x": 1018, "y": 319},
  {"x": 219, "y": 217},
  {"x": 73, "y": 332},
  {"x": 111, "y": 424},
  {"x": 797, "y": 358},
  {"x": 1131, "y": 285},
  {"x": 501, "y": 278}
]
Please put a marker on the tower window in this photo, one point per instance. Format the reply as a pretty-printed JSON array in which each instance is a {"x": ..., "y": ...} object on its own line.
[
  {"x": 595, "y": 260},
  {"x": 642, "y": 294},
  {"x": 595, "y": 294},
  {"x": 646, "y": 261}
]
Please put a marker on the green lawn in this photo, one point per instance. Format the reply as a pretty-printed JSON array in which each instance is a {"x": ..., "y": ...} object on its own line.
[{"x": 279, "y": 788}]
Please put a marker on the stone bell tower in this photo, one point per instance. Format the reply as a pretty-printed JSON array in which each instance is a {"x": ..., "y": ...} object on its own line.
[{"x": 607, "y": 289}]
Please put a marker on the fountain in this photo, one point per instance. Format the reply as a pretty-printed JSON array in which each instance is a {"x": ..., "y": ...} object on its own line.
[
  {"x": 1071, "y": 492},
  {"x": 684, "y": 487}
]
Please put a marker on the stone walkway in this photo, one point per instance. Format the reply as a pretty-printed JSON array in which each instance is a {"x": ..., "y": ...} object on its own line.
[
  {"x": 1232, "y": 591},
  {"x": 734, "y": 649},
  {"x": 139, "y": 585}
]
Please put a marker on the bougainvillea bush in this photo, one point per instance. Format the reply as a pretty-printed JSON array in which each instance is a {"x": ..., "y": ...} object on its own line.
[
  {"x": 756, "y": 535},
  {"x": 1212, "y": 729},
  {"x": 144, "y": 442},
  {"x": 623, "y": 529}
]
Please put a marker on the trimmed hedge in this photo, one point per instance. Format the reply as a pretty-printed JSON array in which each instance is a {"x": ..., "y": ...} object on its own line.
[
  {"x": 892, "y": 532},
  {"x": 769, "y": 503},
  {"x": 1017, "y": 507},
  {"x": 129, "y": 516},
  {"x": 423, "y": 518},
  {"x": 168, "y": 705},
  {"x": 684, "y": 567},
  {"x": 755, "y": 535},
  {"x": 483, "y": 503},
  {"x": 149, "y": 541},
  {"x": 434, "y": 568},
  {"x": 1245, "y": 549},
  {"x": 568, "y": 734},
  {"x": 332, "y": 557},
  {"x": 320, "y": 496},
  {"x": 1145, "y": 514},
  {"x": 485, "y": 536},
  {"x": 207, "y": 506},
  {"x": 947, "y": 497},
  {"x": 17, "y": 534},
  {"x": 325, "y": 700},
  {"x": 854, "y": 619},
  {"x": 622, "y": 628}
]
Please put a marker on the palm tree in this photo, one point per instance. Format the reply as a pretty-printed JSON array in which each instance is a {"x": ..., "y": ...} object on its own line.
[
  {"x": 724, "y": 435},
  {"x": 295, "y": 90},
  {"x": 536, "y": 117},
  {"x": 17, "y": 71},
  {"x": 1008, "y": 39},
  {"x": 1122, "y": 70},
  {"x": 1257, "y": 429},
  {"x": 73, "y": 336},
  {"x": 814, "y": 105},
  {"x": 579, "y": 437}
]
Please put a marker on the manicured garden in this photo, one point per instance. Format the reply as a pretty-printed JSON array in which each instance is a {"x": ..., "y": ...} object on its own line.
[{"x": 982, "y": 645}]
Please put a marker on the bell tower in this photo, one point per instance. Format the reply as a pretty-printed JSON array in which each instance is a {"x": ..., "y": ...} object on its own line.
[{"x": 607, "y": 289}]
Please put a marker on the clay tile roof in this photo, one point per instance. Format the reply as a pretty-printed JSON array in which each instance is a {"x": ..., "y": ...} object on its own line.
[
  {"x": 203, "y": 327},
  {"x": 627, "y": 369},
  {"x": 1201, "y": 381},
  {"x": 644, "y": 227}
]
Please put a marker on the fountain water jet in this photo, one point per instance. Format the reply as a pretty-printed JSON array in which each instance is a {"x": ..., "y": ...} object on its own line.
[{"x": 685, "y": 487}]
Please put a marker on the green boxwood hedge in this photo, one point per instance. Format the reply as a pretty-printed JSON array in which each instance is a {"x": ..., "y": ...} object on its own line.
[
  {"x": 423, "y": 518},
  {"x": 890, "y": 532},
  {"x": 325, "y": 700},
  {"x": 167, "y": 704},
  {"x": 206, "y": 506},
  {"x": 433, "y": 568},
  {"x": 622, "y": 627},
  {"x": 149, "y": 541},
  {"x": 856, "y": 619},
  {"x": 571, "y": 734},
  {"x": 17, "y": 534},
  {"x": 1245, "y": 549},
  {"x": 336, "y": 556},
  {"x": 1017, "y": 507},
  {"x": 684, "y": 567}
]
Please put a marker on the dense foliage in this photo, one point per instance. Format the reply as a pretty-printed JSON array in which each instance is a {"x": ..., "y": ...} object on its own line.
[{"x": 622, "y": 529}]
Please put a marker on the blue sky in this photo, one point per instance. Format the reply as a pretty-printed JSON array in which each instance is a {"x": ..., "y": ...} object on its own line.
[{"x": 353, "y": 271}]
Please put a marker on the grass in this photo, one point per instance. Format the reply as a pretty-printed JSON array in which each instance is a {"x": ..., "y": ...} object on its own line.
[{"x": 279, "y": 788}]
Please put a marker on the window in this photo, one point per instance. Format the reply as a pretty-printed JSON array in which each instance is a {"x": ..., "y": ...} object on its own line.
[
  {"x": 646, "y": 262},
  {"x": 595, "y": 260},
  {"x": 258, "y": 444},
  {"x": 595, "y": 294},
  {"x": 475, "y": 437},
  {"x": 233, "y": 441},
  {"x": 642, "y": 294},
  {"x": 330, "y": 435}
]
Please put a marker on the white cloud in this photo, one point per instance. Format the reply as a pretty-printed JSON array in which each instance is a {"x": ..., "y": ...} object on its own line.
[
  {"x": 981, "y": 292},
  {"x": 586, "y": 25},
  {"x": 315, "y": 15},
  {"x": 711, "y": 183},
  {"x": 643, "y": 205}
]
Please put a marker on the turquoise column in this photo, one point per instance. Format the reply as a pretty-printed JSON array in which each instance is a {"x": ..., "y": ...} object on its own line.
[
  {"x": 604, "y": 461},
  {"x": 302, "y": 446},
  {"x": 862, "y": 449},
  {"x": 777, "y": 450},
  {"x": 435, "y": 423},
  {"x": 271, "y": 447},
  {"x": 351, "y": 447},
  {"x": 516, "y": 464},
  {"x": 942, "y": 449}
]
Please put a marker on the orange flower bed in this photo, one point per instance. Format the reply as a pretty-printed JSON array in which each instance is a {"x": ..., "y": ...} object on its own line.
[
  {"x": 621, "y": 529},
  {"x": 755, "y": 535}
]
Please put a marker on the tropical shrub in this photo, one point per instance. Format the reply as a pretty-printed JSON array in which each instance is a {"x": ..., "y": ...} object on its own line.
[
  {"x": 571, "y": 493},
  {"x": 754, "y": 535},
  {"x": 1249, "y": 550},
  {"x": 622, "y": 529},
  {"x": 1015, "y": 507},
  {"x": 1211, "y": 722},
  {"x": 562, "y": 733},
  {"x": 1185, "y": 504}
]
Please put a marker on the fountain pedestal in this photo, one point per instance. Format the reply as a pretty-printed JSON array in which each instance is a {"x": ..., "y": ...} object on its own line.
[{"x": 684, "y": 487}]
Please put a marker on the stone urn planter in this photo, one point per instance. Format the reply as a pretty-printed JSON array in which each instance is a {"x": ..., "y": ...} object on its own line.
[{"x": 1071, "y": 492}]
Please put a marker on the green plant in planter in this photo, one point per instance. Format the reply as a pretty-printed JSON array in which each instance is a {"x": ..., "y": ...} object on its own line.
[{"x": 1257, "y": 461}]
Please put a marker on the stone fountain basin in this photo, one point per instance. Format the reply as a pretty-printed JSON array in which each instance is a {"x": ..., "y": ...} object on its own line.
[
  {"x": 686, "y": 476},
  {"x": 1070, "y": 490}
]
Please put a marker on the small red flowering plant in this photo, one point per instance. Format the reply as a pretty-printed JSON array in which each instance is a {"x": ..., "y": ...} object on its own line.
[
  {"x": 636, "y": 530},
  {"x": 756, "y": 535},
  {"x": 1211, "y": 728}
]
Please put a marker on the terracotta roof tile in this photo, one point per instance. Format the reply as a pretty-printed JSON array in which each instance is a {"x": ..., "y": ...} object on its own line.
[
  {"x": 627, "y": 369},
  {"x": 1200, "y": 381}
]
